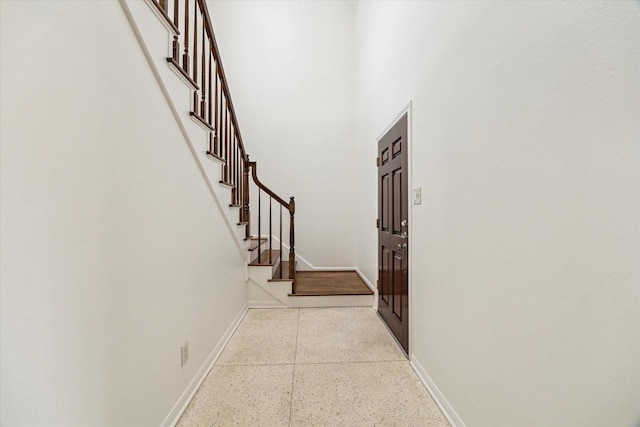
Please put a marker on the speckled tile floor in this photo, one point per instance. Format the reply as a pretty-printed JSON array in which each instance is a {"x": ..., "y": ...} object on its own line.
[{"x": 312, "y": 367}]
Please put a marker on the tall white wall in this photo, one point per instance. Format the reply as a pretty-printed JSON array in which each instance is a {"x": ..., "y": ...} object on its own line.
[
  {"x": 525, "y": 251},
  {"x": 113, "y": 251},
  {"x": 290, "y": 67}
]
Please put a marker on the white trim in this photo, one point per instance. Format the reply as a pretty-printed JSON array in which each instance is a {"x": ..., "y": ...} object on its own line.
[
  {"x": 162, "y": 19},
  {"x": 317, "y": 301},
  {"x": 306, "y": 264},
  {"x": 374, "y": 302},
  {"x": 180, "y": 406},
  {"x": 405, "y": 109},
  {"x": 198, "y": 122},
  {"x": 335, "y": 269},
  {"x": 365, "y": 280},
  {"x": 218, "y": 161},
  {"x": 181, "y": 76},
  {"x": 447, "y": 409},
  {"x": 409, "y": 110}
]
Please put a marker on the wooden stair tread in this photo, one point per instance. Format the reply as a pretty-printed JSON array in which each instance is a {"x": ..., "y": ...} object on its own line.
[
  {"x": 216, "y": 156},
  {"x": 184, "y": 73},
  {"x": 201, "y": 121},
  {"x": 264, "y": 258},
  {"x": 284, "y": 267},
  {"x": 322, "y": 283},
  {"x": 255, "y": 242}
]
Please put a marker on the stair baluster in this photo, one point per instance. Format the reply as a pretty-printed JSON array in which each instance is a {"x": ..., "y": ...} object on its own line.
[
  {"x": 175, "y": 49},
  {"x": 270, "y": 231},
  {"x": 280, "y": 276},
  {"x": 213, "y": 108},
  {"x": 259, "y": 225},
  {"x": 185, "y": 55}
]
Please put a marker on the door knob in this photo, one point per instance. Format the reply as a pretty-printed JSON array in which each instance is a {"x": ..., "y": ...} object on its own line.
[
  {"x": 404, "y": 235},
  {"x": 403, "y": 223},
  {"x": 402, "y": 246}
]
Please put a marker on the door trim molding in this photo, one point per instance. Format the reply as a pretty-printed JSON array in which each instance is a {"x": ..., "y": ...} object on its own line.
[{"x": 407, "y": 109}]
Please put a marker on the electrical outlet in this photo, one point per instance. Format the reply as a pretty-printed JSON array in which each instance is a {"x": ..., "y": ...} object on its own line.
[{"x": 184, "y": 353}]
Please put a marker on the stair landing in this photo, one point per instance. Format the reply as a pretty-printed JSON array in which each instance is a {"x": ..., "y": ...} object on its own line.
[{"x": 321, "y": 283}]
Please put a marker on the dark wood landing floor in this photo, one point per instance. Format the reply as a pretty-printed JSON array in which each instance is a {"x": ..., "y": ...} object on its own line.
[{"x": 313, "y": 283}]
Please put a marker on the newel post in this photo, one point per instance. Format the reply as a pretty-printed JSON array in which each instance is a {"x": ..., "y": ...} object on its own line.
[{"x": 292, "y": 244}]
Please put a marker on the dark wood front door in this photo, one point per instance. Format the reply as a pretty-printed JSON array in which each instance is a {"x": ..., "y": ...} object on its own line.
[{"x": 393, "y": 242}]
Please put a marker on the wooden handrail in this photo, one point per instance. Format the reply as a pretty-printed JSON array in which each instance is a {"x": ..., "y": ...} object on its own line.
[
  {"x": 223, "y": 77},
  {"x": 254, "y": 174},
  {"x": 291, "y": 207},
  {"x": 196, "y": 56}
]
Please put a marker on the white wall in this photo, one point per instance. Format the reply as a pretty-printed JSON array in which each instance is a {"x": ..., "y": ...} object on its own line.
[
  {"x": 290, "y": 67},
  {"x": 526, "y": 248},
  {"x": 113, "y": 249}
]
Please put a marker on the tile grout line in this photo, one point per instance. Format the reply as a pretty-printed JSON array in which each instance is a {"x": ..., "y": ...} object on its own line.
[
  {"x": 293, "y": 376},
  {"x": 231, "y": 365},
  {"x": 316, "y": 363},
  {"x": 353, "y": 362}
]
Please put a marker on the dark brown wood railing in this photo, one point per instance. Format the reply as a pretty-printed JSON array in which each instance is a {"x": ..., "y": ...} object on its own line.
[{"x": 195, "y": 55}]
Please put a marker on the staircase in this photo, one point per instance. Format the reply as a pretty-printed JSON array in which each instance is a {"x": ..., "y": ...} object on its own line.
[{"x": 178, "y": 40}]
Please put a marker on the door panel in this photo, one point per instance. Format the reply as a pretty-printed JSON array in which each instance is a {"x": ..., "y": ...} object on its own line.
[
  {"x": 393, "y": 244},
  {"x": 385, "y": 197},
  {"x": 397, "y": 202},
  {"x": 386, "y": 268}
]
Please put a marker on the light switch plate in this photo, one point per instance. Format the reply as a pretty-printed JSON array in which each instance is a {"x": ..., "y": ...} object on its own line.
[{"x": 417, "y": 196}]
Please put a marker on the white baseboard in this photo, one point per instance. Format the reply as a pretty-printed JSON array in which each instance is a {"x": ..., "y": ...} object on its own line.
[
  {"x": 447, "y": 410},
  {"x": 182, "y": 403},
  {"x": 365, "y": 280}
]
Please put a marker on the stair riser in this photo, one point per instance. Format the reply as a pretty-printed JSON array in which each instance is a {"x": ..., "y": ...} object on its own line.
[{"x": 332, "y": 301}]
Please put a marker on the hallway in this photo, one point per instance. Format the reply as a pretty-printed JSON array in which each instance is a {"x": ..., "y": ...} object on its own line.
[{"x": 323, "y": 367}]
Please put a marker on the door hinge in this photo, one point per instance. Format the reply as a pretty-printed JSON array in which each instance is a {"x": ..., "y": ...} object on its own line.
[
  {"x": 378, "y": 284},
  {"x": 378, "y": 161},
  {"x": 377, "y": 223}
]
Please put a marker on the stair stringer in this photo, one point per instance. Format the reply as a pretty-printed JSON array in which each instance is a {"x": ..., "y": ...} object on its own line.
[
  {"x": 155, "y": 38},
  {"x": 260, "y": 276}
]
